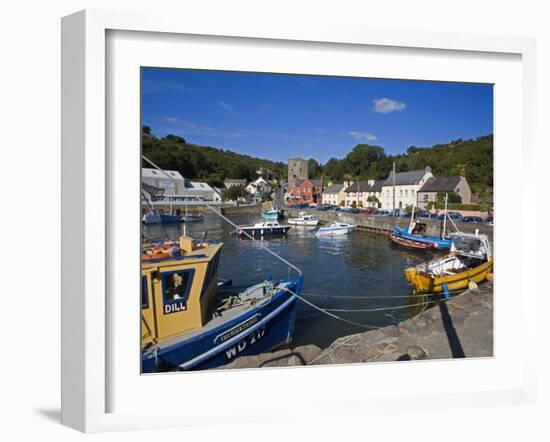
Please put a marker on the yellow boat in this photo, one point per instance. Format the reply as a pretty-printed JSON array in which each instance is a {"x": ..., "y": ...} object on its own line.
[{"x": 470, "y": 259}]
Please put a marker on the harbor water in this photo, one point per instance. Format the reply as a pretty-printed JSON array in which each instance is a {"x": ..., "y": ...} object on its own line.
[{"x": 359, "y": 271}]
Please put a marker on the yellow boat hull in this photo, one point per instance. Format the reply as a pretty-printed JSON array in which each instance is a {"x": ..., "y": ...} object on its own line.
[{"x": 425, "y": 283}]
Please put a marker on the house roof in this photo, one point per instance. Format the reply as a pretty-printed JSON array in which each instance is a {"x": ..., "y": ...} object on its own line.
[
  {"x": 157, "y": 174},
  {"x": 440, "y": 184},
  {"x": 364, "y": 186},
  {"x": 316, "y": 183},
  {"x": 334, "y": 188},
  {"x": 404, "y": 178},
  {"x": 358, "y": 186}
]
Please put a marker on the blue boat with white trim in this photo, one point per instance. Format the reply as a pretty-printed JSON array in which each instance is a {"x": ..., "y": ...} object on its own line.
[{"x": 190, "y": 322}]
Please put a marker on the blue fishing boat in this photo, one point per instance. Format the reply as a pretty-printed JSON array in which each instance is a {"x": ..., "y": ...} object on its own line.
[
  {"x": 416, "y": 235},
  {"x": 189, "y": 321},
  {"x": 153, "y": 218},
  {"x": 272, "y": 214}
]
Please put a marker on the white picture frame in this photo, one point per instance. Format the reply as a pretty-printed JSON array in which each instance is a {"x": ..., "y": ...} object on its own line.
[{"x": 86, "y": 317}]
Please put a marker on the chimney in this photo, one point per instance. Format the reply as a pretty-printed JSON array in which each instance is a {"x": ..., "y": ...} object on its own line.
[
  {"x": 463, "y": 172},
  {"x": 370, "y": 182},
  {"x": 428, "y": 169}
]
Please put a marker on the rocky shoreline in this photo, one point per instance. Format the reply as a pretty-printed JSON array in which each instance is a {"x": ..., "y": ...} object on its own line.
[{"x": 460, "y": 327}]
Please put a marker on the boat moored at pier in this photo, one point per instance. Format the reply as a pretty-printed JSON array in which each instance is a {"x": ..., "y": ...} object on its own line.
[
  {"x": 153, "y": 218},
  {"x": 272, "y": 214},
  {"x": 335, "y": 229},
  {"x": 190, "y": 321},
  {"x": 264, "y": 228},
  {"x": 304, "y": 219},
  {"x": 470, "y": 260}
]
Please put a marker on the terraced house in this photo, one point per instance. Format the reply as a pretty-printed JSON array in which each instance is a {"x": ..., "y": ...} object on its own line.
[
  {"x": 444, "y": 184},
  {"x": 334, "y": 194},
  {"x": 363, "y": 193},
  {"x": 407, "y": 185}
]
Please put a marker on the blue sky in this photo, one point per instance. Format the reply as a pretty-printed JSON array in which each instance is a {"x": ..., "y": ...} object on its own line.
[{"x": 278, "y": 116}]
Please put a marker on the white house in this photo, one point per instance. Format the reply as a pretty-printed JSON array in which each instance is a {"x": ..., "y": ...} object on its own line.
[
  {"x": 259, "y": 185},
  {"x": 229, "y": 182},
  {"x": 407, "y": 185},
  {"x": 361, "y": 191},
  {"x": 334, "y": 194}
]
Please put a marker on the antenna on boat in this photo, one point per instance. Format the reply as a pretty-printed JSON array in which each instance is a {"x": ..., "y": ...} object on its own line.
[
  {"x": 445, "y": 217},
  {"x": 280, "y": 258}
]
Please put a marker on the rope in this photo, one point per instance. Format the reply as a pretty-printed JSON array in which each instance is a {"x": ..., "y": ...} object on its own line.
[
  {"x": 332, "y": 315},
  {"x": 422, "y": 295},
  {"x": 280, "y": 258}
]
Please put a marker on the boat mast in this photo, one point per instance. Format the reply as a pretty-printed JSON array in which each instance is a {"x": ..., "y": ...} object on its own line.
[
  {"x": 411, "y": 224},
  {"x": 445, "y": 217},
  {"x": 393, "y": 176}
]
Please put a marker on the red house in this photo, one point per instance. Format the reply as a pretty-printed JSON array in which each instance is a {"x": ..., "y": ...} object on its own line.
[{"x": 306, "y": 192}]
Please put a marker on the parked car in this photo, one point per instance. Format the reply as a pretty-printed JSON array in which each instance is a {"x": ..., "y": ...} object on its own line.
[
  {"x": 382, "y": 213},
  {"x": 368, "y": 211},
  {"x": 472, "y": 219}
]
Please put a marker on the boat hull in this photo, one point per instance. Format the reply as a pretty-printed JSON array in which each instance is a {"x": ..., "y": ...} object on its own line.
[
  {"x": 327, "y": 231},
  {"x": 161, "y": 219},
  {"x": 308, "y": 223},
  {"x": 263, "y": 231},
  {"x": 412, "y": 245},
  {"x": 263, "y": 328},
  {"x": 440, "y": 244},
  {"x": 425, "y": 283},
  {"x": 191, "y": 219},
  {"x": 271, "y": 214}
]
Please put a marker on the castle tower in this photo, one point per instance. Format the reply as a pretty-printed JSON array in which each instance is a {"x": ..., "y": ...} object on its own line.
[{"x": 297, "y": 170}]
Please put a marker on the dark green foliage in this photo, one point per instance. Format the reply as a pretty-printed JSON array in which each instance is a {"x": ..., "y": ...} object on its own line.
[
  {"x": 210, "y": 164},
  {"x": 370, "y": 162},
  {"x": 452, "y": 198},
  {"x": 234, "y": 193}
]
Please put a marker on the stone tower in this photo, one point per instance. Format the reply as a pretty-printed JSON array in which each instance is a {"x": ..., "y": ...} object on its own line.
[{"x": 297, "y": 170}]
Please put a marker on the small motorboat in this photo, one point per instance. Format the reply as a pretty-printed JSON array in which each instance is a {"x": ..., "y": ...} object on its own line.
[
  {"x": 470, "y": 260},
  {"x": 189, "y": 218},
  {"x": 304, "y": 219},
  {"x": 264, "y": 228},
  {"x": 153, "y": 218},
  {"x": 412, "y": 245},
  {"x": 272, "y": 214},
  {"x": 335, "y": 229}
]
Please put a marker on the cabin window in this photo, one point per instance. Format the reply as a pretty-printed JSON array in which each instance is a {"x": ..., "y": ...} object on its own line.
[
  {"x": 144, "y": 293},
  {"x": 211, "y": 271},
  {"x": 176, "y": 286}
]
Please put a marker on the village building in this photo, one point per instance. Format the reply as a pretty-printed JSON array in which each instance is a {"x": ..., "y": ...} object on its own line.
[
  {"x": 407, "y": 185},
  {"x": 444, "y": 184},
  {"x": 362, "y": 193},
  {"x": 334, "y": 194},
  {"x": 297, "y": 170},
  {"x": 307, "y": 191},
  {"x": 176, "y": 188},
  {"x": 229, "y": 182},
  {"x": 258, "y": 186}
]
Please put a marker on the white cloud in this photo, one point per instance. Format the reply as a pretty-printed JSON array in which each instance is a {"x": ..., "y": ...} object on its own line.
[
  {"x": 387, "y": 106},
  {"x": 226, "y": 106},
  {"x": 362, "y": 136}
]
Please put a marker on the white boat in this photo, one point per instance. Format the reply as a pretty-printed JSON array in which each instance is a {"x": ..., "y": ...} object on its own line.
[
  {"x": 335, "y": 229},
  {"x": 304, "y": 219},
  {"x": 189, "y": 218},
  {"x": 264, "y": 228}
]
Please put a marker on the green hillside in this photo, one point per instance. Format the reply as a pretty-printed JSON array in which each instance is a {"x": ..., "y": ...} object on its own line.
[{"x": 363, "y": 162}]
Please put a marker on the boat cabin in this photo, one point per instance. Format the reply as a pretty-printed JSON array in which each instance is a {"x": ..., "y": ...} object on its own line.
[{"x": 178, "y": 287}]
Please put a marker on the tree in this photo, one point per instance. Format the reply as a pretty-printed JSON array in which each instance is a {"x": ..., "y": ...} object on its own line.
[
  {"x": 373, "y": 200},
  {"x": 233, "y": 193},
  {"x": 360, "y": 204},
  {"x": 452, "y": 199},
  {"x": 146, "y": 130},
  {"x": 313, "y": 168}
]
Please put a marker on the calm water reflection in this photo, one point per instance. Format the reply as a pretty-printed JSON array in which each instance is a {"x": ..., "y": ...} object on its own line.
[{"x": 340, "y": 273}]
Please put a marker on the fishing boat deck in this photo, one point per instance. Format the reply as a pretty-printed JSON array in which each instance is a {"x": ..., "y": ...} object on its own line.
[{"x": 220, "y": 317}]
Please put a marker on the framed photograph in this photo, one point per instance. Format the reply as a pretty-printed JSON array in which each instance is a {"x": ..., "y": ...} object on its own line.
[{"x": 282, "y": 210}]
